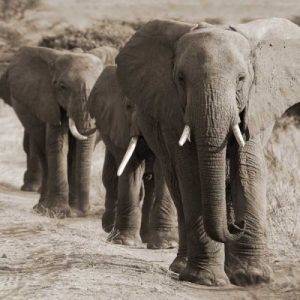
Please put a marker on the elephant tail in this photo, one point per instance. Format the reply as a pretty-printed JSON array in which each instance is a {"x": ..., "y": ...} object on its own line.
[{"x": 4, "y": 87}]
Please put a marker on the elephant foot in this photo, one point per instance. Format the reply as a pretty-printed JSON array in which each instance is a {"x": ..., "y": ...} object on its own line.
[
  {"x": 165, "y": 239},
  {"x": 41, "y": 208},
  {"x": 124, "y": 238},
  {"x": 60, "y": 211},
  {"x": 209, "y": 275},
  {"x": 145, "y": 235},
  {"x": 108, "y": 220},
  {"x": 78, "y": 212},
  {"x": 249, "y": 273},
  {"x": 178, "y": 264},
  {"x": 31, "y": 187}
]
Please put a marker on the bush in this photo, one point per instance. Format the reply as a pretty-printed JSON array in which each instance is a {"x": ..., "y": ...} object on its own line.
[
  {"x": 15, "y": 9},
  {"x": 104, "y": 33}
]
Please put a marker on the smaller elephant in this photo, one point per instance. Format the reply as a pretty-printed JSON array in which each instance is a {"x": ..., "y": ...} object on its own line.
[
  {"x": 141, "y": 180},
  {"x": 48, "y": 90}
]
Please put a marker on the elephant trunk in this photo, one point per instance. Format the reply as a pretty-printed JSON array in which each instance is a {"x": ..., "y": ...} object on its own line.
[
  {"x": 80, "y": 122},
  {"x": 210, "y": 134},
  {"x": 84, "y": 152}
]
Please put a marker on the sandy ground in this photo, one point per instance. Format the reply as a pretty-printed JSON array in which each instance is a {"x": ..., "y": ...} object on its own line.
[{"x": 70, "y": 259}]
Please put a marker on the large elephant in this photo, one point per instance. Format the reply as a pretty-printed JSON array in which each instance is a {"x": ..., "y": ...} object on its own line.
[
  {"x": 48, "y": 90},
  {"x": 141, "y": 180},
  {"x": 221, "y": 88}
]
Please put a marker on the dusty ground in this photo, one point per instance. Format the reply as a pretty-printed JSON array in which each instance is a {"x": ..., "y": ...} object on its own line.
[{"x": 44, "y": 258}]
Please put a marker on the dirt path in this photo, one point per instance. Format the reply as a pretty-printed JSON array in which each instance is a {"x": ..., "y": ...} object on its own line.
[{"x": 69, "y": 259}]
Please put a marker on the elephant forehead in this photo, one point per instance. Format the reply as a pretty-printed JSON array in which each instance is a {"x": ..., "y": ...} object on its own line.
[
  {"x": 210, "y": 40},
  {"x": 79, "y": 63},
  {"x": 211, "y": 47}
]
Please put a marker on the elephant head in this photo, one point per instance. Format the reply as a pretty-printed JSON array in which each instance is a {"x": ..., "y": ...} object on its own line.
[
  {"x": 50, "y": 82},
  {"x": 222, "y": 81},
  {"x": 115, "y": 116}
]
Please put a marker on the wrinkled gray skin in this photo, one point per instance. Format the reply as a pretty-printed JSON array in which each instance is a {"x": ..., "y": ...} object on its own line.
[
  {"x": 46, "y": 87},
  {"x": 142, "y": 180},
  {"x": 212, "y": 78}
]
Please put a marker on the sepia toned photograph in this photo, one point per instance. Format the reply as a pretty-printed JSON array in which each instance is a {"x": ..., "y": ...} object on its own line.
[{"x": 149, "y": 149}]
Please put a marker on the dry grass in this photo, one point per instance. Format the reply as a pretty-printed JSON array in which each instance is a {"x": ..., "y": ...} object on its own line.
[
  {"x": 103, "y": 33},
  {"x": 283, "y": 162}
]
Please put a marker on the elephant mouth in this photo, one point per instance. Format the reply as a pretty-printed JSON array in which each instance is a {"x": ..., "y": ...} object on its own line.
[
  {"x": 82, "y": 134},
  {"x": 75, "y": 132}
]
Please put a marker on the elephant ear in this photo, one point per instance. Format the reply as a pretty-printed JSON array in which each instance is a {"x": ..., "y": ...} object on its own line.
[
  {"x": 276, "y": 64},
  {"x": 145, "y": 66},
  {"x": 31, "y": 83},
  {"x": 106, "y": 54},
  {"x": 107, "y": 106}
]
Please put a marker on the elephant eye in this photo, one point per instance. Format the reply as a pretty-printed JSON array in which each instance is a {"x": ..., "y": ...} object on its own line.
[
  {"x": 241, "y": 77},
  {"x": 180, "y": 78},
  {"x": 62, "y": 86},
  {"x": 240, "y": 81}
]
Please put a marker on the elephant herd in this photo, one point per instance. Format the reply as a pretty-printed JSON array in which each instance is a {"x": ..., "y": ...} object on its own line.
[{"x": 184, "y": 111}]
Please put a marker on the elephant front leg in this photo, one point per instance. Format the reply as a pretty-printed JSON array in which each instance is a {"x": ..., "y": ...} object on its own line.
[
  {"x": 180, "y": 261},
  {"x": 58, "y": 189},
  {"x": 110, "y": 182},
  {"x": 33, "y": 174},
  {"x": 41, "y": 206},
  {"x": 163, "y": 219},
  {"x": 128, "y": 218},
  {"x": 148, "y": 196},
  {"x": 246, "y": 259},
  {"x": 205, "y": 257}
]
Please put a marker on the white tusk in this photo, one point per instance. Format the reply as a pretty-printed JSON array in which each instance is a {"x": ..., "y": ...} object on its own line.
[
  {"x": 186, "y": 135},
  {"x": 238, "y": 135},
  {"x": 128, "y": 154},
  {"x": 75, "y": 132}
]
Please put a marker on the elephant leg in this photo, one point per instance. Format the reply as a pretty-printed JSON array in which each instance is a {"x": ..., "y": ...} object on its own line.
[
  {"x": 180, "y": 261},
  {"x": 246, "y": 259},
  {"x": 84, "y": 153},
  {"x": 38, "y": 138},
  {"x": 57, "y": 152},
  {"x": 128, "y": 219},
  {"x": 110, "y": 182},
  {"x": 42, "y": 205},
  {"x": 147, "y": 195},
  {"x": 205, "y": 257},
  {"x": 33, "y": 174},
  {"x": 163, "y": 220},
  {"x": 73, "y": 200}
]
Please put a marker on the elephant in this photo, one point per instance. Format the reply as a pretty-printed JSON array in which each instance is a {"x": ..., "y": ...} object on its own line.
[
  {"x": 48, "y": 90},
  {"x": 206, "y": 98},
  {"x": 142, "y": 179}
]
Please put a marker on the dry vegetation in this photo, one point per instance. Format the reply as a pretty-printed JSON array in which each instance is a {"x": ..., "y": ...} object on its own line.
[{"x": 79, "y": 263}]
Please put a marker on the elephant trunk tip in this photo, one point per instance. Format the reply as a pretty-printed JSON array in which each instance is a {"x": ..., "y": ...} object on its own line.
[{"x": 234, "y": 232}]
